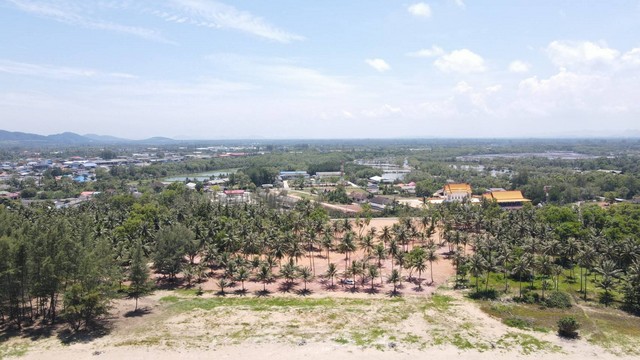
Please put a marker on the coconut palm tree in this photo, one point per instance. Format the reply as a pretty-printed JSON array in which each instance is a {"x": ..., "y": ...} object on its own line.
[
  {"x": 609, "y": 271},
  {"x": 432, "y": 256},
  {"x": 545, "y": 268},
  {"x": 332, "y": 271},
  {"x": 242, "y": 275},
  {"x": 521, "y": 266},
  {"x": 306, "y": 275},
  {"x": 264, "y": 275},
  {"x": 586, "y": 257},
  {"x": 222, "y": 283},
  {"x": 288, "y": 271},
  {"x": 380, "y": 253},
  {"x": 372, "y": 273},
  {"x": 394, "y": 278},
  {"x": 477, "y": 266},
  {"x": 385, "y": 234}
]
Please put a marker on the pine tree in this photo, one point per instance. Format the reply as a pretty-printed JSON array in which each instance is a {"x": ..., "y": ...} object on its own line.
[{"x": 138, "y": 274}]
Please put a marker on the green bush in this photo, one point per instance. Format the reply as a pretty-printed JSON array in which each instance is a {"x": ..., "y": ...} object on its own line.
[
  {"x": 528, "y": 297},
  {"x": 568, "y": 327},
  {"x": 518, "y": 322},
  {"x": 488, "y": 294},
  {"x": 558, "y": 299}
]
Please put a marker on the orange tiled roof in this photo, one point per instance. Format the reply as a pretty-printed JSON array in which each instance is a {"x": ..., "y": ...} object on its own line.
[
  {"x": 506, "y": 196},
  {"x": 456, "y": 188}
]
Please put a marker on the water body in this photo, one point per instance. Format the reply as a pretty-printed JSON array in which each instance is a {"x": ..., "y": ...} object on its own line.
[
  {"x": 562, "y": 155},
  {"x": 201, "y": 176}
]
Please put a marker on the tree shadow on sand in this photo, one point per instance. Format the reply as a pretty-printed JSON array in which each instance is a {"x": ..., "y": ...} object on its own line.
[
  {"x": 169, "y": 284},
  {"x": 352, "y": 289},
  {"x": 393, "y": 293},
  {"x": 371, "y": 291},
  {"x": 287, "y": 286},
  {"x": 304, "y": 292},
  {"x": 241, "y": 292},
  {"x": 262, "y": 293},
  {"x": 96, "y": 330},
  {"x": 330, "y": 287},
  {"x": 138, "y": 313},
  {"x": 33, "y": 333}
]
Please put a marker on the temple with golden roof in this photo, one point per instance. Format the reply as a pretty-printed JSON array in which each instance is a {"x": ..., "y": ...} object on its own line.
[{"x": 511, "y": 199}]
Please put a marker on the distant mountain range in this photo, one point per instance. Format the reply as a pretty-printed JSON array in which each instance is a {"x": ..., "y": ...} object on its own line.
[{"x": 69, "y": 138}]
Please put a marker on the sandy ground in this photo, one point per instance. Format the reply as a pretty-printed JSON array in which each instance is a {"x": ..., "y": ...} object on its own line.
[{"x": 200, "y": 334}]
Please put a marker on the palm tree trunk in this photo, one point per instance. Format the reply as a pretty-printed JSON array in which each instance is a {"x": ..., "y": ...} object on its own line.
[
  {"x": 431, "y": 262},
  {"x": 520, "y": 284},
  {"x": 581, "y": 279}
]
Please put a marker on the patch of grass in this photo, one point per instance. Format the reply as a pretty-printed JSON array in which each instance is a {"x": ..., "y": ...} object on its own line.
[
  {"x": 188, "y": 292},
  {"x": 367, "y": 338},
  {"x": 461, "y": 343},
  {"x": 441, "y": 302},
  {"x": 260, "y": 304},
  {"x": 341, "y": 340},
  {"x": 411, "y": 339},
  {"x": 170, "y": 299},
  {"x": 527, "y": 343},
  {"x": 15, "y": 350},
  {"x": 148, "y": 341}
]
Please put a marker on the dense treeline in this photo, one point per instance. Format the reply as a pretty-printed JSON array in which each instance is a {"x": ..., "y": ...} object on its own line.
[
  {"x": 71, "y": 262},
  {"x": 597, "y": 248}
]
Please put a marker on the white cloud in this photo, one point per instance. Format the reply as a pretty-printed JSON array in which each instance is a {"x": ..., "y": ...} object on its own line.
[
  {"x": 378, "y": 64},
  {"x": 462, "y": 61},
  {"x": 518, "y": 66},
  {"x": 211, "y": 14},
  {"x": 462, "y": 87},
  {"x": 56, "y": 72},
  {"x": 460, "y": 4},
  {"x": 280, "y": 74},
  {"x": 631, "y": 57},
  {"x": 218, "y": 15},
  {"x": 420, "y": 10},
  {"x": 494, "y": 88},
  {"x": 580, "y": 53},
  {"x": 74, "y": 14},
  {"x": 383, "y": 111},
  {"x": 426, "y": 53}
]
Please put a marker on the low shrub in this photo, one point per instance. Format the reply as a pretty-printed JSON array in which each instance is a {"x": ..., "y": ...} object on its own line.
[
  {"x": 518, "y": 322},
  {"x": 488, "y": 294},
  {"x": 568, "y": 327},
  {"x": 559, "y": 300}
]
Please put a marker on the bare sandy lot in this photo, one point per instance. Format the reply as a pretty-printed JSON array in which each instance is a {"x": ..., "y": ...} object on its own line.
[{"x": 442, "y": 327}]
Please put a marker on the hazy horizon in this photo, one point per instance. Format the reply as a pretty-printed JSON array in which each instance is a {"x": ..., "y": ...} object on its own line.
[{"x": 202, "y": 69}]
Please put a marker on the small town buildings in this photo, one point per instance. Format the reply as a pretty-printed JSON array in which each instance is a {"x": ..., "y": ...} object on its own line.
[
  {"x": 9, "y": 195},
  {"x": 286, "y": 175},
  {"x": 234, "y": 196},
  {"x": 328, "y": 174},
  {"x": 358, "y": 197},
  {"x": 380, "y": 202}
]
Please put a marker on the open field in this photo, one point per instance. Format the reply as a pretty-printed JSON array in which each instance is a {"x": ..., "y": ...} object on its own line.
[{"x": 176, "y": 324}]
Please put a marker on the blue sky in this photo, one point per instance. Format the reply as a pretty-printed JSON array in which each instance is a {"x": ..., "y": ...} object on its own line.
[{"x": 320, "y": 69}]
